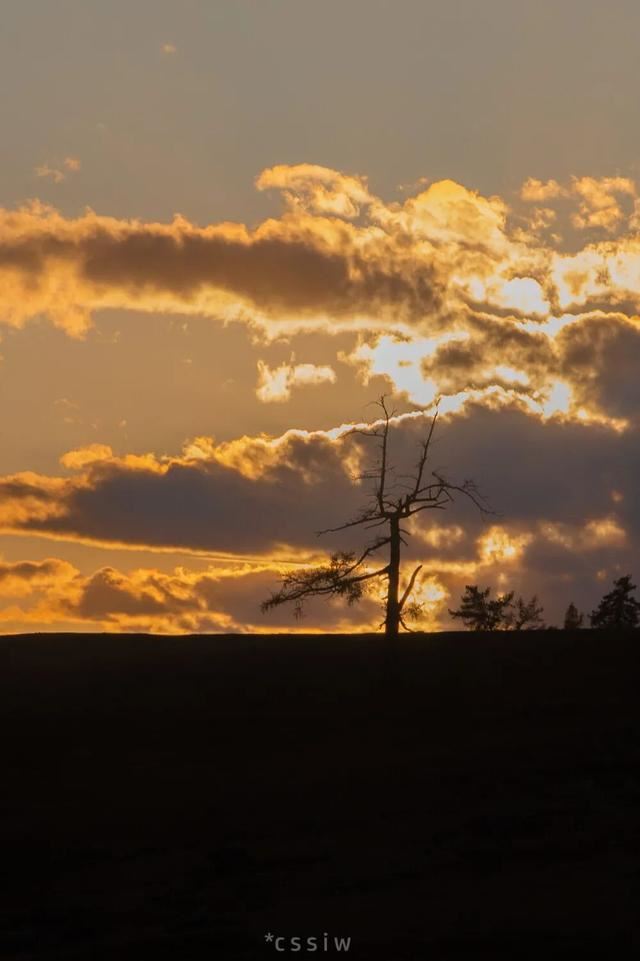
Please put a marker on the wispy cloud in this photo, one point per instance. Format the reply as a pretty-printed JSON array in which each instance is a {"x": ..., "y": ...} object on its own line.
[{"x": 59, "y": 172}]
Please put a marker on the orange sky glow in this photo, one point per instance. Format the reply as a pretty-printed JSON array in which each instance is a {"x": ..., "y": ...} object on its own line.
[{"x": 204, "y": 283}]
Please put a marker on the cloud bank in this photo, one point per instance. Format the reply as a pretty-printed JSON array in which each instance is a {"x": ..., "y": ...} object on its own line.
[
  {"x": 519, "y": 314},
  {"x": 258, "y": 502}
]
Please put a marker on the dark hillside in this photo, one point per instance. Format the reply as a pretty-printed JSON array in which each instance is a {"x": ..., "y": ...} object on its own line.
[{"x": 473, "y": 796}]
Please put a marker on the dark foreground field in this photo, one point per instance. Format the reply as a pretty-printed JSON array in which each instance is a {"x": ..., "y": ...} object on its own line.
[{"x": 179, "y": 798}]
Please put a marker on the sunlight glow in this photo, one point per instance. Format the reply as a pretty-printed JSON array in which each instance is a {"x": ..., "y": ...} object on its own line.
[
  {"x": 511, "y": 374},
  {"x": 400, "y": 361},
  {"x": 558, "y": 400},
  {"x": 524, "y": 294},
  {"x": 500, "y": 545}
]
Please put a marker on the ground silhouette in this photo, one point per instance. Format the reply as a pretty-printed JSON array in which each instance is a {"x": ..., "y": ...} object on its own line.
[{"x": 183, "y": 797}]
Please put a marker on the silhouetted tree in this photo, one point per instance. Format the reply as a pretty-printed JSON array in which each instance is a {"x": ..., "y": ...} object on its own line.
[
  {"x": 479, "y": 612},
  {"x": 617, "y": 609},
  {"x": 347, "y": 574},
  {"x": 573, "y": 619},
  {"x": 528, "y": 617}
]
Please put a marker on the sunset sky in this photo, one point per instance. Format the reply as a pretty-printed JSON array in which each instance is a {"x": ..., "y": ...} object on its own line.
[{"x": 227, "y": 227}]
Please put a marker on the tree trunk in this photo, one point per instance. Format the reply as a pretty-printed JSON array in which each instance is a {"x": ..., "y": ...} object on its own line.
[{"x": 392, "y": 618}]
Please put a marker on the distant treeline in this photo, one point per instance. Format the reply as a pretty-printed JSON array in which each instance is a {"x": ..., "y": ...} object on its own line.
[{"x": 478, "y": 611}]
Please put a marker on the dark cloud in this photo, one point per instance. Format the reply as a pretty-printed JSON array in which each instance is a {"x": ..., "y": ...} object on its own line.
[
  {"x": 563, "y": 492},
  {"x": 528, "y": 469},
  {"x": 601, "y": 358},
  {"x": 108, "y": 594},
  {"x": 29, "y": 571},
  {"x": 532, "y": 469},
  {"x": 208, "y": 506},
  {"x": 471, "y": 363},
  {"x": 282, "y": 269}
]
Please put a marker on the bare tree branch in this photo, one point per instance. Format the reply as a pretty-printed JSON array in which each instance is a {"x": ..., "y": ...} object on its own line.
[
  {"x": 346, "y": 574},
  {"x": 409, "y": 587},
  {"x": 383, "y": 457},
  {"x": 424, "y": 454}
]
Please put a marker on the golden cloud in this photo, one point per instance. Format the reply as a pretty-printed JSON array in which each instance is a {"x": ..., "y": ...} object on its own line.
[
  {"x": 532, "y": 347},
  {"x": 213, "y": 599},
  {"x": 262, "y": 498},
  {"x": 451, "y": 296},
  {"x": 539, "y": 191},
  {"x": 319, "y": 190},
  {"x": 300, "y": 269},
  {"x": 313, "y": 264},
  {"x": 275, "y": 384},
  {"x": 23, "y": 577},
  {"x": 83, "y": 456}
]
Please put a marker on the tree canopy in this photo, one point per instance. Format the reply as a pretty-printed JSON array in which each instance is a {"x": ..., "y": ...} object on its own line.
[
  {"x": 617, "y": 609},
  {"x": 573, "y": 619},
  {"x": 478, "y": 611}
]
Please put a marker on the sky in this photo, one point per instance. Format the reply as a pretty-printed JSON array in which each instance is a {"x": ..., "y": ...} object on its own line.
[{"x": 226, "y": 228}]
